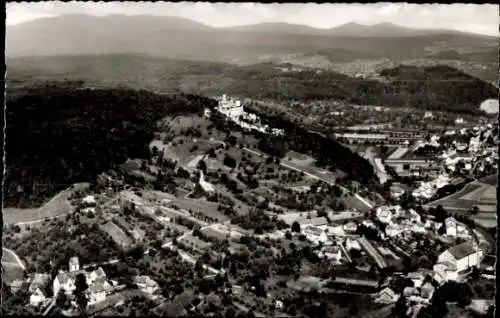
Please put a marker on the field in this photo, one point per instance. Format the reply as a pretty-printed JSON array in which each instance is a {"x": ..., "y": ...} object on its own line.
[
  {"x": 117, "y": 234},
  {"x": 181, "y": 151},
  {"x": 480, "y": 193},
  {"x": 9, "y": 257},
  {"x": 11, "y": 272},
  {"x": 58, "y": 205},
  {"x": 209, "y": 209}
]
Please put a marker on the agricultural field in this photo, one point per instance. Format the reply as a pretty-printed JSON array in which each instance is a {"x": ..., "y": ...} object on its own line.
[
  {"x": 9, "y": 257},
  {"x": 57, "y": 206},
  {"x": 11, "y": 272},
  {"x": 480, "y": 193},
  {"x": 117, "y": 234},
  {"x": 184, "y": 150}
]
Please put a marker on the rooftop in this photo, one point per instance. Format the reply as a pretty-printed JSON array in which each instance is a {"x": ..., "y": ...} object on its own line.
[
  {"x": 462, "y": 250},
  {"x": 398, "y": 153}
]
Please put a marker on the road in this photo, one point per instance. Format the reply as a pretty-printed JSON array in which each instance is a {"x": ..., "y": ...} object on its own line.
[
  {"x": 113, "y": 261},
  {"x": 18, "y": 260},
  {"x": 288, "y": 165},
  {"x": 40, "y": 220},
  {"x": 50, "y": 307}
]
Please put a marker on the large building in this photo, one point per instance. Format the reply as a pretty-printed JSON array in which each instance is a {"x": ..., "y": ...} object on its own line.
[
  {"x": 231, "y": 108},
  {"x": 463, "y": 256},
  {"x": 405, "y": 163}
]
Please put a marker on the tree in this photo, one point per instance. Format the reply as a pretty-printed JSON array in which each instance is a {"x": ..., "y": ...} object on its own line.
[
  {"x": 400, "y": 308},
  {"x": 475, "y": 210},
  {"x": 80, "y": 283},
  {"x": 353, "y": 309},
  {"x": 230, "y": 313},
  {"x": 61, "y": 299},
  {"x": 440, "y": 214},
  {"x": 296, "y": 227}
]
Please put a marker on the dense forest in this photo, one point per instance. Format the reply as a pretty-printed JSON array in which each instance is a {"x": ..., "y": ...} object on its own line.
[
  {"x": 58, "y": 135},
  {"x": 435, "y": 87}
]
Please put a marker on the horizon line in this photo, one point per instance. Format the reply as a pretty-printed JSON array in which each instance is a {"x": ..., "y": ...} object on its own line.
[{"x": 254, "y": 24}]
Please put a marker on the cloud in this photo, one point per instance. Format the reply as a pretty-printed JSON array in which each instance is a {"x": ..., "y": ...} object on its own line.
[{"x": 463, "y": 17}]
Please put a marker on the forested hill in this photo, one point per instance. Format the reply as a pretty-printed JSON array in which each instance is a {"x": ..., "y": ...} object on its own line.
[
  {"x": 328, "y": 152},
  {"x": 58, "y": 135},
  {"x": 441, "y": 88}
]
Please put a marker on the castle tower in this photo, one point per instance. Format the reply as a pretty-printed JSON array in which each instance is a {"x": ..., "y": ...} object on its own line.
[{"x": 74, "y": 264}]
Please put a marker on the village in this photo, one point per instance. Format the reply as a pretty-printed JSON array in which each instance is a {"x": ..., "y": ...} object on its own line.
[{"x": 215, "y": 200}]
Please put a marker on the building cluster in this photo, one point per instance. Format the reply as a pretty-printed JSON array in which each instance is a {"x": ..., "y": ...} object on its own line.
[
  {"x": 97, "y": 286},
  {"x": 233, "y": 110}
]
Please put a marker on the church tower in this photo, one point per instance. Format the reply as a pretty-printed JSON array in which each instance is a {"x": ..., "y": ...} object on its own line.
[{"x": 74, "y": 264}]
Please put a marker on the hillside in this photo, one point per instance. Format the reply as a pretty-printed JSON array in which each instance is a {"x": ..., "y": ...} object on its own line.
[
  {"x": 58, "y": 135},
  {"x": 434, "y": 88}
]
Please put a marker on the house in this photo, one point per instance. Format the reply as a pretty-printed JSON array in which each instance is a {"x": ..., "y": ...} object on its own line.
[
  {"x": 462, "y": 256},
  {"x": 37, "y": 297},
  {"x": 454, "y": 228},
  {"x": 146, "y": 284},
  {"x": 333, "y": 253},
  {"x": 384, "y": 214},
  {"x": 318, "y": 221},
  {"x": 64, "y": 281},
  {"x": 352, "y": 244},
  {"x": 393, "y": 230},
  {"x": 67, "y": 280},
  {"x": 16, "y": 285},
  {"x": 444, "y": 272},
  {"x": 427, "y": 290},
  {"x": 98, "y": 274},
  {"x": 98, "y": 291},
  {"x": 333, "y": 230},
  {"x": 89, "y": 200},
  {"x": 38, "y": 281},
  {"x": 315, "y": 235},
  {"x": 138, "y": 234},
  {"x": 74, "y": 264},
  {"x": 417, "y": 278},
  {"x": 386, "y": 296},
  {"x": 350, "y": 227},
  {"x": 397, "y": 191}
]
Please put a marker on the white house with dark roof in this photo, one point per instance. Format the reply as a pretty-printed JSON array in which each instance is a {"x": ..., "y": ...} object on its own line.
[
  {"x": 37, "y": 297},
  {"x": 146, "y": 284},
  {"x": 64, "y": 281},
  {"x": 444, "y": 272},
  {"x": 332, "y": 253},
  {"x": 319, "y": 221},
  {"x": 67, "y": 280},
  {"x": 315, "y": 235},
  {"x": 98, "y": 291},
  {"x": 350, "y": 227},
  {"x": 38, "y": 280},
  {"x": 462, "y": 256},
  {"x": 386, "y": 296},
  {"x": 455, "y": 228}
]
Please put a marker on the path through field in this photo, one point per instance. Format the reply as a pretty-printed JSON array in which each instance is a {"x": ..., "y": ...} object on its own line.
[{"x": 57, "y": 206}]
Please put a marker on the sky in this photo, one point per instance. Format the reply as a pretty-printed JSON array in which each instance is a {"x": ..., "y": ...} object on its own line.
[{"x": 483, "y": 18}]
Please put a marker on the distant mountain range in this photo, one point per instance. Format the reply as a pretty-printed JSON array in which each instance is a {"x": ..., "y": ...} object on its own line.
[
  {"x": 351, "y": 29},
  {"x": 183, "y": 38}
]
